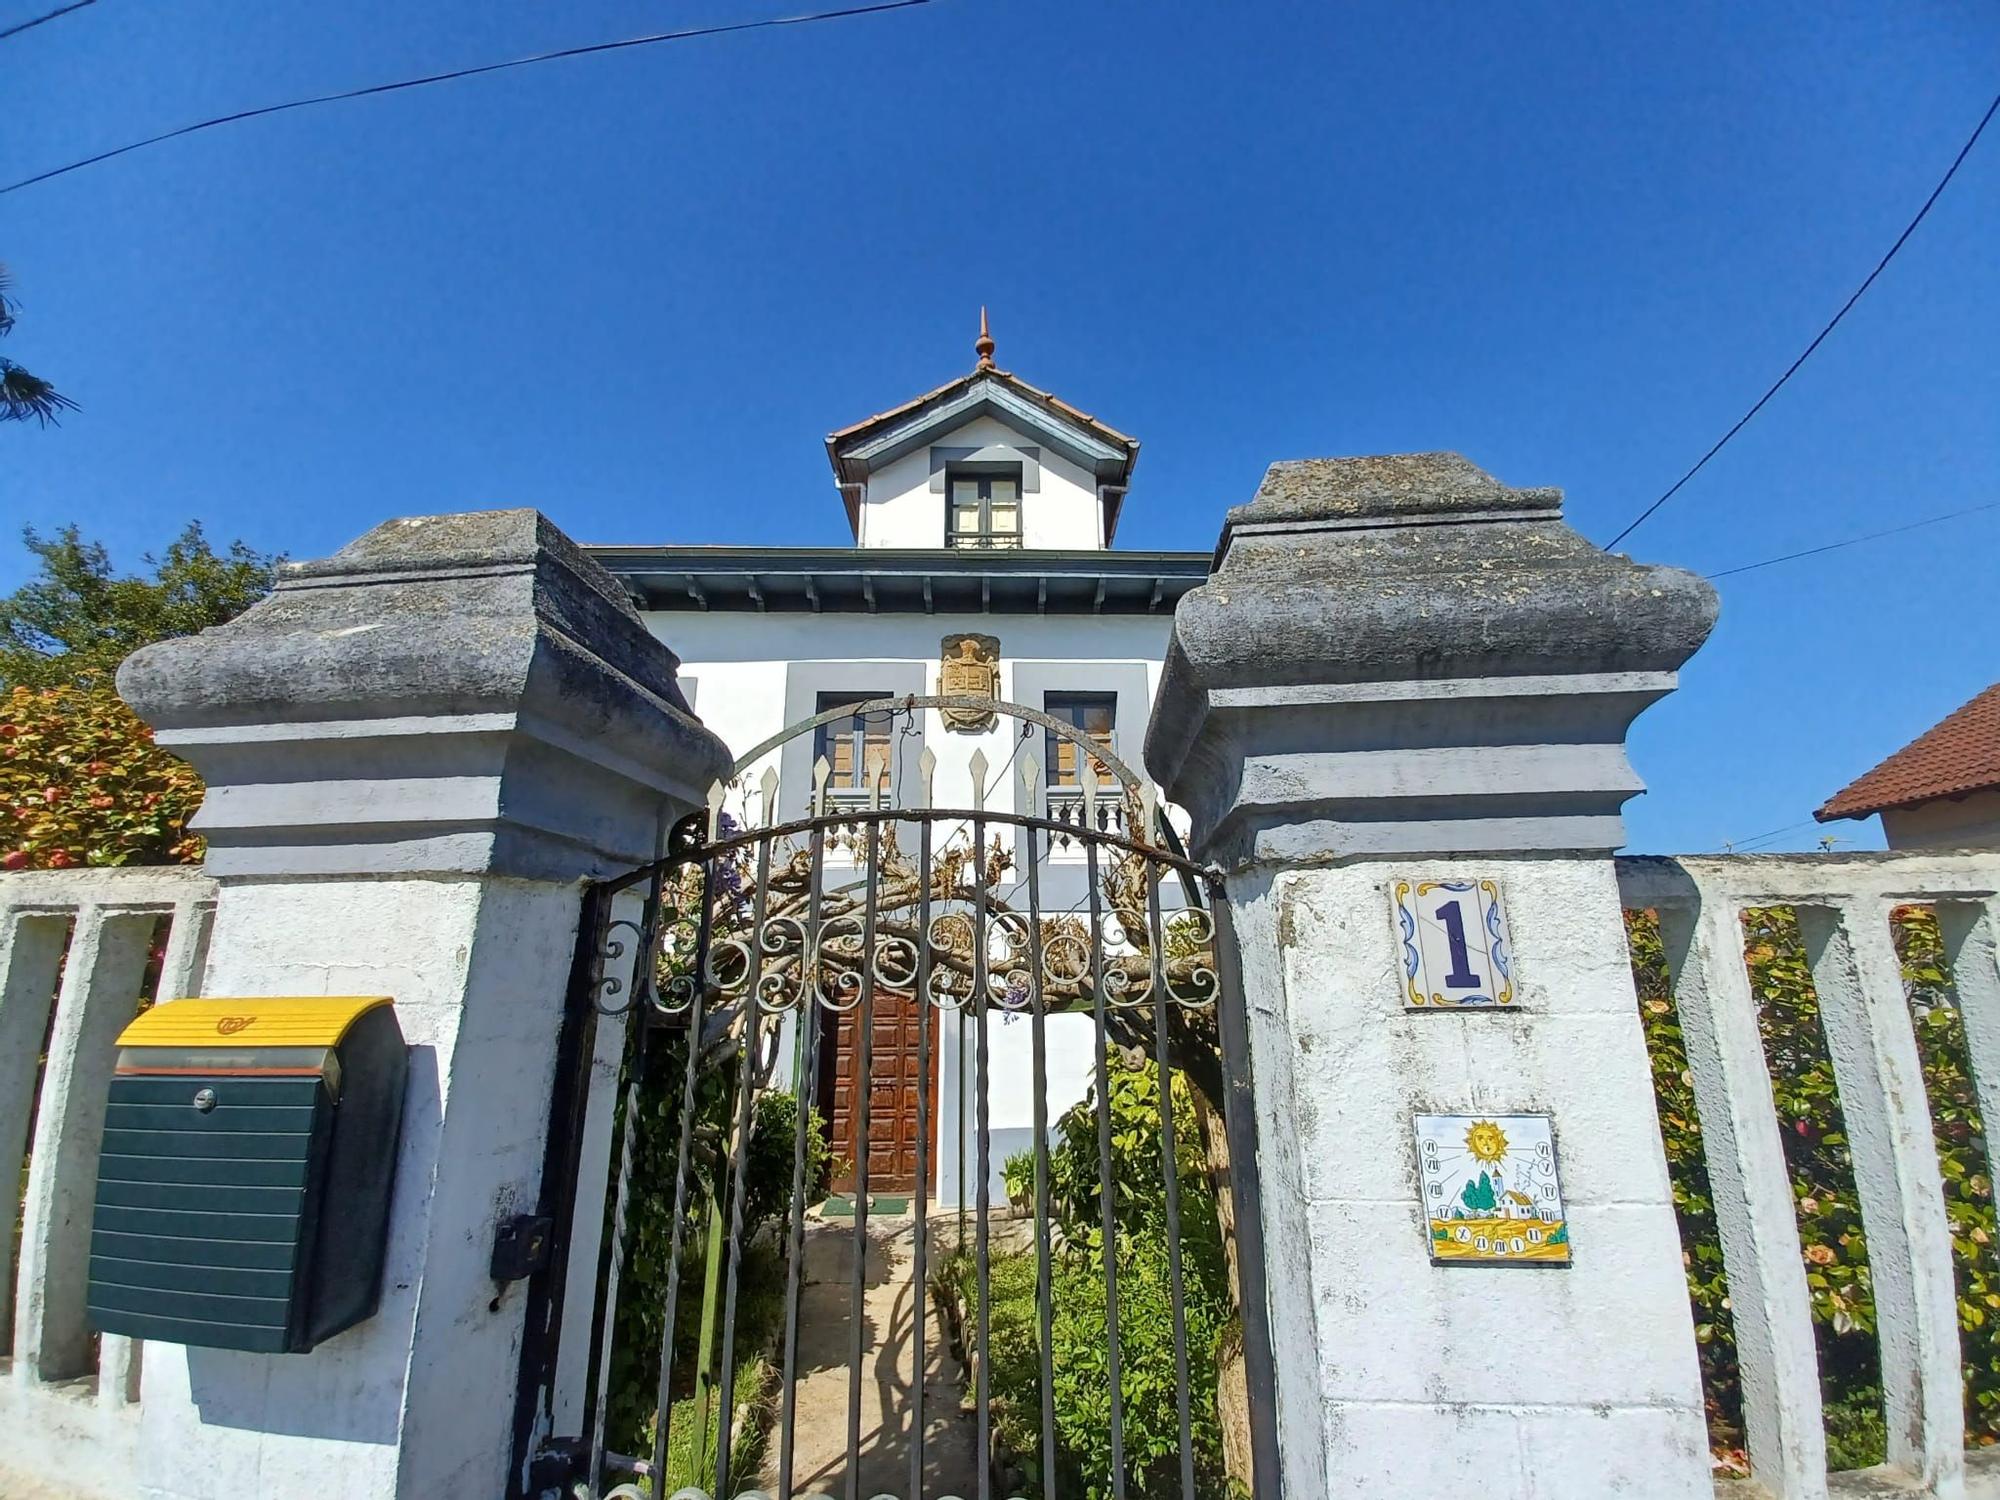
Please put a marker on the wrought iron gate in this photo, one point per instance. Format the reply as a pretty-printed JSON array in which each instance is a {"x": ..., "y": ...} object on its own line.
[{"x": 899, "y": 977}]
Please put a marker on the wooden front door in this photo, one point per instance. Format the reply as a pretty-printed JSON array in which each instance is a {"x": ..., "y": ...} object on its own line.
[{"x": 895, "y": 1071}]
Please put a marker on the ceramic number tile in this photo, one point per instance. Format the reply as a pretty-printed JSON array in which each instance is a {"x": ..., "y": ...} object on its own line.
[
  {"x": 1454, "y": 942},
  {"x": 1490, "y": 1189}
]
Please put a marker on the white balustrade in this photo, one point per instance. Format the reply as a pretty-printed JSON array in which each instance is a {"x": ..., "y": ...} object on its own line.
[
  {"x": 74, "y": 950},
  {"x": 1066, "y": 804},
  {"x": 1844, "y": 905}
]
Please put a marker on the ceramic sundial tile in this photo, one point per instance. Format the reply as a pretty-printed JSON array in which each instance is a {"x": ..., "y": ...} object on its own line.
[
  {"x": 1491, "y": 1194},
  {"x": 1454, "y": 944}
]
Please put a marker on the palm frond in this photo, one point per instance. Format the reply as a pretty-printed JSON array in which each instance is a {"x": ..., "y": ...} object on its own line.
[{"x": 24, "y": 395}]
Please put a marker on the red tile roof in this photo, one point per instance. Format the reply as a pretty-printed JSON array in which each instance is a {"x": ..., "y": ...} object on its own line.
[{"x": 1959, "y": 755}]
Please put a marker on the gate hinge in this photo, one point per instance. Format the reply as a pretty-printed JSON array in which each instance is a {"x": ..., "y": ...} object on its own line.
[{"x": 521, "y": 1246}]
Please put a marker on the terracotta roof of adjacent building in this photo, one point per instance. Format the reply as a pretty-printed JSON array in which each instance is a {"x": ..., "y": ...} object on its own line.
[{"x": 1959, "y": 755}]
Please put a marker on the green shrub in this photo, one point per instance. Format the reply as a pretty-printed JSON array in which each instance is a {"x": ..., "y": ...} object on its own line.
[
  {"x": 82, "y": 783},
  {"x": 1079, "y": 1306},
  {"x": 642, "y": 1294}
]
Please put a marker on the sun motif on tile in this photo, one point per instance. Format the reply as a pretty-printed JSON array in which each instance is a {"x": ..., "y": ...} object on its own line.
[
  {"x": 1487, "y": 1142},
  {"x": 1490, "y": 1190}
]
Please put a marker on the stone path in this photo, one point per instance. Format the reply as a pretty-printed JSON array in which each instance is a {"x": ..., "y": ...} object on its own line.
[{"x": 888, "y": 1342}]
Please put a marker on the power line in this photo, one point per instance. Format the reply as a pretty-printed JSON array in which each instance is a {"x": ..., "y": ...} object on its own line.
[
  {"x": 61, "y": 10},
  {"x": 1739, "y": 846},
  {"x": 1846, "y": 308},
  {"x": 472, "y": 72},
  {"x": 1855, "y": 541}
]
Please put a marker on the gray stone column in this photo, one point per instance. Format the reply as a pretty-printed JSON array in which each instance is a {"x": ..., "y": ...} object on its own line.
[
  {"x": 1403, "y": 670},
  {"x": 416, "y": 752}
]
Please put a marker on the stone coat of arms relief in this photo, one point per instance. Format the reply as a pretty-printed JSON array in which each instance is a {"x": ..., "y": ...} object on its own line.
[{"x": 969, "y": 666}]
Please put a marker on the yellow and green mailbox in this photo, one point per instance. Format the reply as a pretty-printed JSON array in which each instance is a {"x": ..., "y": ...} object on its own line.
[{"x": 249, "y": 1153}]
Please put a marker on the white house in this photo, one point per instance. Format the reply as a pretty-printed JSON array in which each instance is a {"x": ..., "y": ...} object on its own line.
[{"x": 985, "y": 507}]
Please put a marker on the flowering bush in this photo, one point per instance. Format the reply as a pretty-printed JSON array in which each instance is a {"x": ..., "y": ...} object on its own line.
[
  {"x": 82, "y": 783},
  {"x": 1822, "y": 1168}
]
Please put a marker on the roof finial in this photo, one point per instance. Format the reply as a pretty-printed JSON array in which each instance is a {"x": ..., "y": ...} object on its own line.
[{"x": 983, "y": 346}]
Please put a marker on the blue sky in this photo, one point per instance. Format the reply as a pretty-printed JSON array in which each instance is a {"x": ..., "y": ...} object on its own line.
[{"x": 1570, "y": 242}]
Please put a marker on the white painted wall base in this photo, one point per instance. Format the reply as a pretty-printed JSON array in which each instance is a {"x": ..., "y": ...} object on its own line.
[{"x": 62, "y": 1441}]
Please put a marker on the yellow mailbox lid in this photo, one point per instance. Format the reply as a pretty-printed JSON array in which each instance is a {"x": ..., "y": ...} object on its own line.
[{"x": 265, "y": 1021}]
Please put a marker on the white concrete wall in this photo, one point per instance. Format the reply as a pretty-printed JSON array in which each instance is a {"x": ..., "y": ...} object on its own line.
[
  {"x": 1375, "y": 1344},
  {"x": 419, "y": 1399},
  {"x": 899, "y": 509},
  {"x": 1971, "y": 822}
]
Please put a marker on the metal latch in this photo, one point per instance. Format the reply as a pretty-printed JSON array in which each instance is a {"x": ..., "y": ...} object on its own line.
[
  {"x": 521, "y": 1246},
  {"x": 559, "y": 1462}
]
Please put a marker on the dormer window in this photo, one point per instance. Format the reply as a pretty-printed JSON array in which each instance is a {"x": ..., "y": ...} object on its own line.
[{"x": 983, "y": 509}]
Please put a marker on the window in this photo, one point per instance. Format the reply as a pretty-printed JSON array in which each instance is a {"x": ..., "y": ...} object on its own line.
[
  {"x": 1095, "y": 714},
  {"x": 983, "y": 510},
  {"x": 856, "y": 747}
]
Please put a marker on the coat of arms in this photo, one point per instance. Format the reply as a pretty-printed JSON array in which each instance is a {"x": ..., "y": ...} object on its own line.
[{"x": 970, "y": 668}]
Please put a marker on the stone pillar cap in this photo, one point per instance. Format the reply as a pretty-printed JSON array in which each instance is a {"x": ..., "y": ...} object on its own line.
[
  {"x": 467, "y": 692},
  {"x": 1413, "y": 578},
  {"x": 1312, "y": 494},
  {"x": 1422, "y": 565}
]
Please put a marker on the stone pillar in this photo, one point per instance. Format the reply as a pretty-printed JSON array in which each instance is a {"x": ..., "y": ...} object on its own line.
[
  {"x": 1405, "y": 671},
  {"x": 416, "y": 751}
]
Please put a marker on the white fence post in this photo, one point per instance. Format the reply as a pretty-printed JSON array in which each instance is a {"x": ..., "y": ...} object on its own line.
[
  {"x": 1866, "y": 1017},
  {"x": 186, "y": 955},
  {"x": 59, "y": 1018},
  {"x": 1971, "y": 931},
  {"x": 1752, "y": 1190},
  {"x": 31, "y": 950},
  {"x": 100, "y": 993}
]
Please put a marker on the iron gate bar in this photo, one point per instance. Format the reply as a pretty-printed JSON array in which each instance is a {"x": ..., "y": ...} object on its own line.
[
  {"x": 919, "y": 1363},
  {"x": 1170, "y": 1168},
  {"x": 982, "y": 1002},
  {"x": 1044, "y": 1271},
  {"x": 808, "y": 1087},
  {"x": 663, "y": 1423},
  {"x": 746, "y": 1091},
  {"x": 1105, "y": 1212},
  {"x": 863, "y": 1090}
]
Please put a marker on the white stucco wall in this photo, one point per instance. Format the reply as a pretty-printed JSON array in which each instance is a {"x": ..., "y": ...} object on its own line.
[
  {"x": 740, "y": 663},
  {"x": 1971, "y": 822},
  {"x": 899, "y": 509}
]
